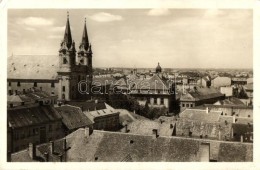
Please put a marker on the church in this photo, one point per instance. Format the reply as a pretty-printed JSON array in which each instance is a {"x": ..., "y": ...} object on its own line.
[{"x": 58, "y": 75}]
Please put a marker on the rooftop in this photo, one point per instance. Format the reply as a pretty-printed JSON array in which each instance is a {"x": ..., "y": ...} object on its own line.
[
  {"x": 32, "y": 67},
  {"x": 21, "y": 117},
  {"x": 72, "y": 117},
  {"x": 139, "y": 148},
  {"x": 201, "y": 115}
]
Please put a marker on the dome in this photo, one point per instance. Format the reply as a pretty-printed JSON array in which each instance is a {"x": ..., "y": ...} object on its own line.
[{"x": 158, "y": 69}]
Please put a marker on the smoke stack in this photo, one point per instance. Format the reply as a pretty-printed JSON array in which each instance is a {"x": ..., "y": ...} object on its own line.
[{"x": 32, "y": 151}]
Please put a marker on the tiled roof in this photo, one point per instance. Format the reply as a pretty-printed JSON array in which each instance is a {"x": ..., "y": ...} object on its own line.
[
  {"x": 145, "y": 127},
  {"x": 201, "y": 115},
  {"x": 72, "y": 117},
  {"x": 231, "y": 101},
  {"x": 103, "y": 81},
  {"x": 153, "y": 83},
  {"x": 235, "y": 152},
  {"x": 21, "y": 117},
  {"x": 32, "y": 66},
  {"x": 241, "y": 111},
  {"x": 103, "y": 146},
  {"x": 88, "y": 105},
  {"x": 202, "y": 93},
  {"x": 98, "y": 113}
]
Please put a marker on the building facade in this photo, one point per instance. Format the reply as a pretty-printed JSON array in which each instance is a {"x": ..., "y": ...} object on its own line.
[{"x": 59, "y": 78}]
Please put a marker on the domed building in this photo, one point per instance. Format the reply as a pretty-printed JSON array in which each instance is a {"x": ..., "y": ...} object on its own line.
[{"x": 158, "y": 69}]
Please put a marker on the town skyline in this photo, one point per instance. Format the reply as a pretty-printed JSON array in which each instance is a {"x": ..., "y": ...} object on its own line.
[{"x": 112, "y": 47}]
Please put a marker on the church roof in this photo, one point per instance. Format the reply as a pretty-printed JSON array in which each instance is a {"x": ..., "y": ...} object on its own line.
[{"x": 32, "y": 67}]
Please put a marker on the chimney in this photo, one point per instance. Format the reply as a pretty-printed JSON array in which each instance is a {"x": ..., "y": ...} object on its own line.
[
  {"x": 88, "y": 131},
  {"x": 60, "y": 157},
  {"x": 32, "y": 151},
  {"x": 207, "y": 110},
  {"x": 241, "y": 138},
  {"x": 9, "y": 156},
  {"x": 64, "y": 144},
  {"x": 234, "y": 119},
  {"x": 155, "y": 133},
  {"x": 219, "y": 134},
  {"x": 52, "y": 146},
  {"x": 46, "y": 156},
  {"x": 126, "y": 128},
  {"x": 11, "y": 105}
]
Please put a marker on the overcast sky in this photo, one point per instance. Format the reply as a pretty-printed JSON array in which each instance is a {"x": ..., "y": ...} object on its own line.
[{"x": 177, "y": 38}]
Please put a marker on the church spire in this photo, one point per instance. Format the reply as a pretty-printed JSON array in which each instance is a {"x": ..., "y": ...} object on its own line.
[
  {"x": 84, "y": 41},
  {"x": 67, "y": 34}
]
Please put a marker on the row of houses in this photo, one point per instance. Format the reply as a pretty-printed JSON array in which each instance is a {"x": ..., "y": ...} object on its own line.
[{"x": 40, "y": 122}]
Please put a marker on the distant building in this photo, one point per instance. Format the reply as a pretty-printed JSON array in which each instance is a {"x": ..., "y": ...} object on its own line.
[
  {"x": 221, "y": 82},
  {"x": 204, "y": 81},
  {"x": 84, "y": 145},
  {"x": 238, "y": 81},
  {"x": 227, "y": 91},
  {"x": 199, "y": 96},
  {"x": 32, "y": 124}
]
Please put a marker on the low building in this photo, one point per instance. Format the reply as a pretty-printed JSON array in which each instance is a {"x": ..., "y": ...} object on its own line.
[
  {"x": 73, "y": 118},
  {"x": 104, "y": 116},
  {"x": 221, "y": 82},
  {"x": 32, "y": 124},
  {"x": 238, "y": 81},
  {"x": 199, "y": 96},
  {"x": 103, "y": 146},
  {"x": 199, "y": 123}
]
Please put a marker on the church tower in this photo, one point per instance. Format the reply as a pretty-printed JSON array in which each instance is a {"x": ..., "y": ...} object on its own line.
[
  {"x": 74, "y": 71},
  {"x": 67, "y": 54},
  {"x": 85, "y": 55}
]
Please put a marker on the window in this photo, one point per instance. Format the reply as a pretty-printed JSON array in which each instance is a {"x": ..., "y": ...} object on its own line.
[
  {"x": 65, "y": 61},
  {"x": 155, "y": 100},
  {"x": 187, "y": 105},
  {"x": 35, "y": 131},
  {"x": 18, "y": 84},
  {"x": 63, "y": 96},
  {"x": 35, "y": 84},
  {"x": 191, "y": 105},
  {"x": 10, "y": 83},
  {"x": 63, "y": 88},
  {"x": 162, "y": 101},
  {"x": 183, "y": 105},
  {"x": 52, "y": 84},
  {"x": 50, "y": 128}
]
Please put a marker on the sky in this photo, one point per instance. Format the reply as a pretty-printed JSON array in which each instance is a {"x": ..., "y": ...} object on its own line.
[{"x": 138, "y": 38}]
